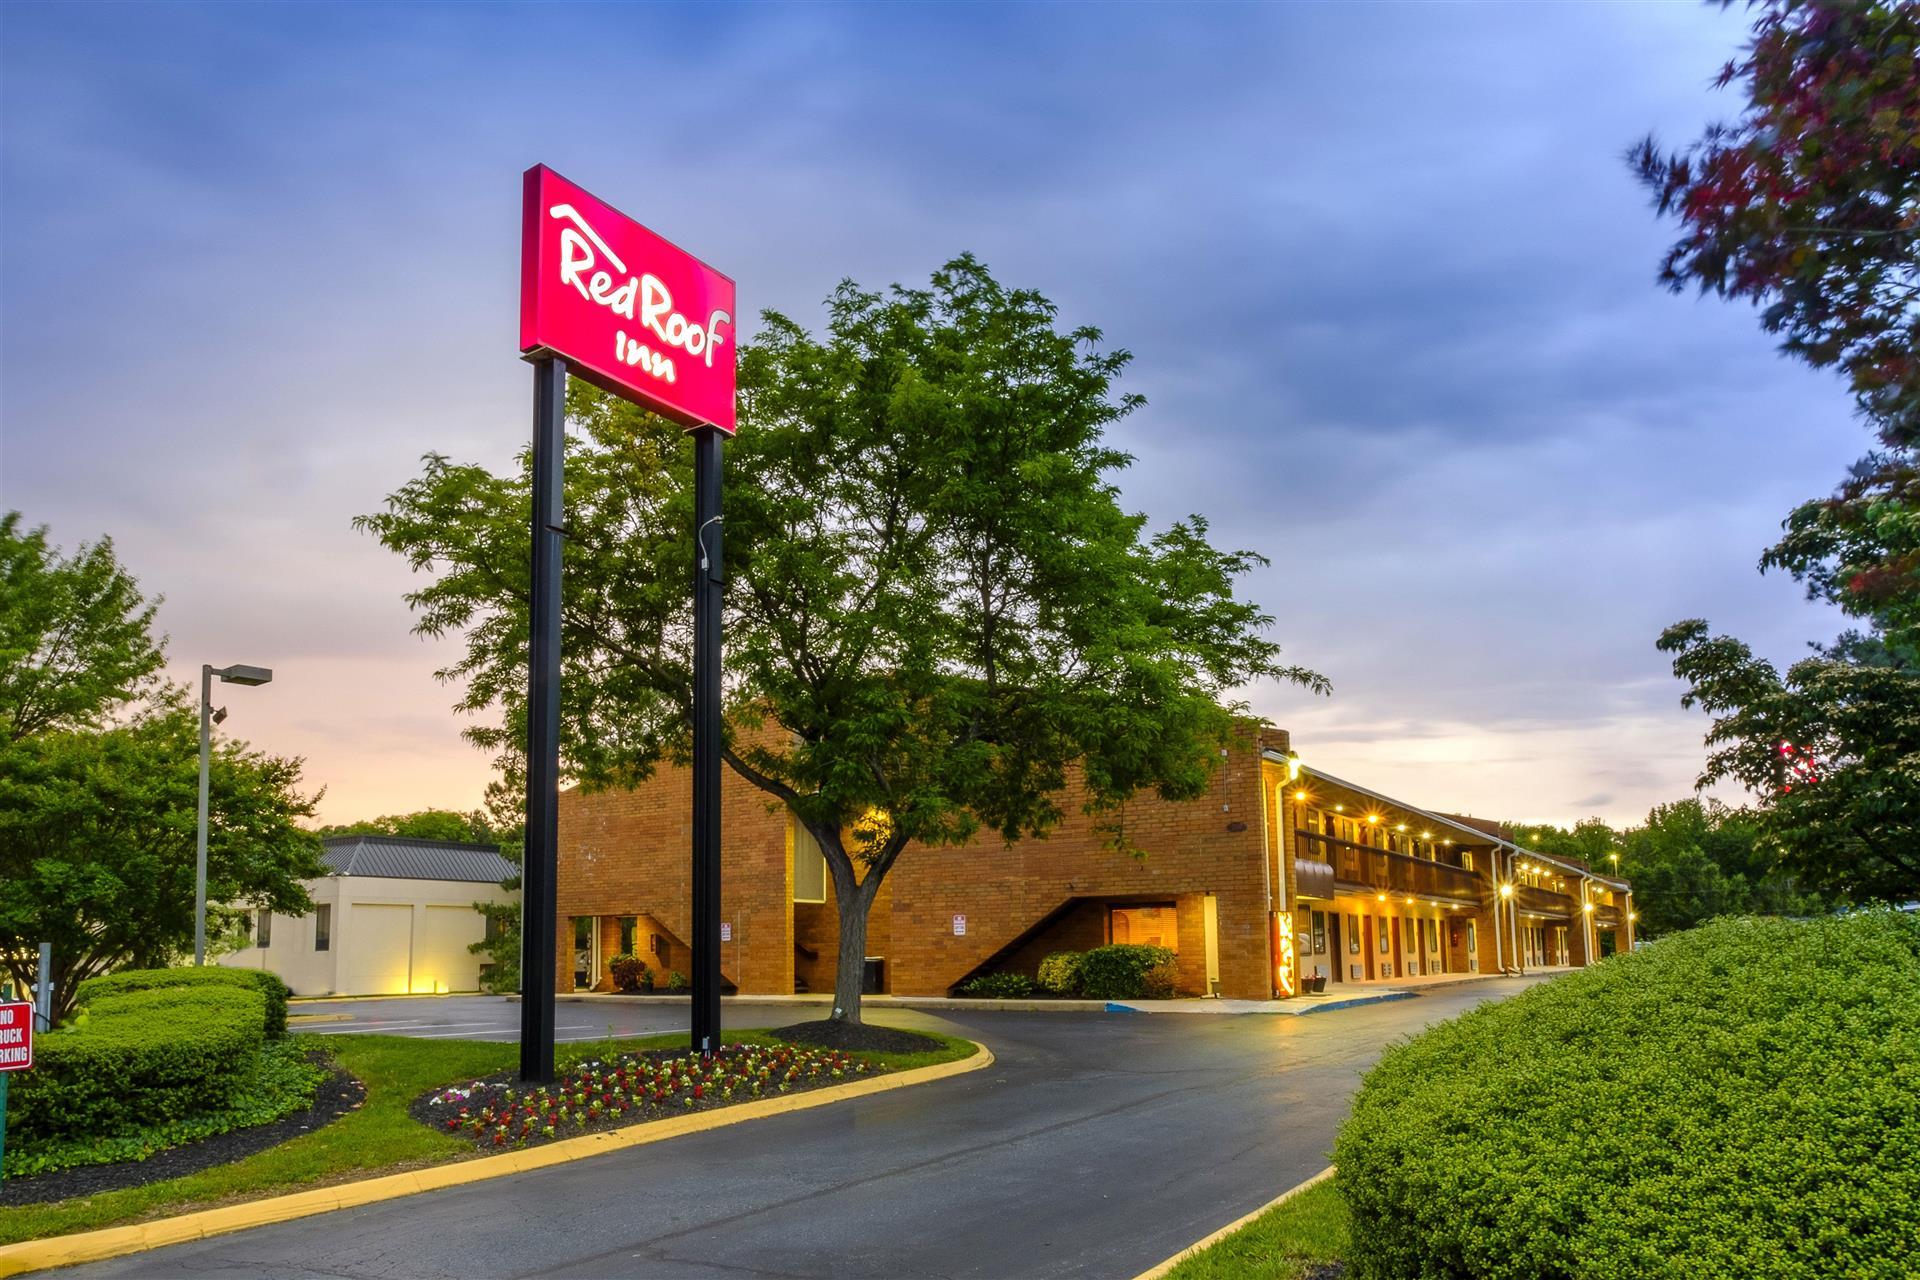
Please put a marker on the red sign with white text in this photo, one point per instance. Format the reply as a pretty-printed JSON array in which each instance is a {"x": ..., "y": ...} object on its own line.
[
  {"x": 16, "y": 1037},
  {"x": 629, "y": 311}
]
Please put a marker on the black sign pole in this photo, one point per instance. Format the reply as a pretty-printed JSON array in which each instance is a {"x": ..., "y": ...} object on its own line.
[
  {"x": 707, "y": 586},
  {"x": 539, "y": 870}
]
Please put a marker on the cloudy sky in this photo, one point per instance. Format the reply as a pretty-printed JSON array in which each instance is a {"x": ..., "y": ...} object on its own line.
[{"x": 1387, "y": 280}]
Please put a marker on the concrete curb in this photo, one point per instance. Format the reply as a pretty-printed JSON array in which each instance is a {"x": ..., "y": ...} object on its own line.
[
  {"x": 1154, "y": 1273},
  {"x": 934, "y": 1003},
  {"x": 112, "y": 1242}
]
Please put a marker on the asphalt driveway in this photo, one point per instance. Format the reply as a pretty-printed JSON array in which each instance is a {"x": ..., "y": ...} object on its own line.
[{"x": 1095, "y": 1146}]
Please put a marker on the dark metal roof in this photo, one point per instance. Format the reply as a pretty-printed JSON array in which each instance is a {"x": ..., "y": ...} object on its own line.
[{"x": 405, "y": 858}]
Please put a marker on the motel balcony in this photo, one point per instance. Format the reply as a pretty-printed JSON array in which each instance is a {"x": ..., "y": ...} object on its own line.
[
  {"x": 1358, "y": 867},
  {"x": 1539, "y": 900}
]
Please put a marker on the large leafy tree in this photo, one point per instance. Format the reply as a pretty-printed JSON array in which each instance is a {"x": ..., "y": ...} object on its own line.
[
  {"x": 76, "y": 635},
  {"x": 938, "y": 610},
  {"x": 1833, "y": 748},
  {"x": 97, "y": 833},
  {"x": 1808, "y": 205},
  {"x": 99, "y": 779}
]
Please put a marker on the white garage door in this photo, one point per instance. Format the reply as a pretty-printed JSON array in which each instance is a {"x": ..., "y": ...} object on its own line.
[
  {"x": 441, "y": 956},
  {"x": 373, "y": 954}
]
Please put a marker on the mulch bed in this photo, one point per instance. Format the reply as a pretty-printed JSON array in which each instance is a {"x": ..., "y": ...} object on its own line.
[
  {"x": 857, "y": 1037},
  {"x": 498, "y": 1112},
  {"x": 338, "y": 1094}
]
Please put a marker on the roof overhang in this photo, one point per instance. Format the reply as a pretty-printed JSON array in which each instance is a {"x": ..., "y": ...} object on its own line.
[{"x": 1441, "y": 820}]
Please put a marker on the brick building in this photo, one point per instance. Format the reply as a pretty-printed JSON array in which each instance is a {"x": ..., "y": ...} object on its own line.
[{"x": 1280, "y": 872}]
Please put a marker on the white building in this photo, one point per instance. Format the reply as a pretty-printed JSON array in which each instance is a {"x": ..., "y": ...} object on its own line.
[{"x": 392, "y": 916}]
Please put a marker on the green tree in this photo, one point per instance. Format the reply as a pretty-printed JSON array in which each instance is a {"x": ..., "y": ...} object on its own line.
[
  {"x": 76, "y": 638},
  {"x": 1808, "y": 206},
  {"x": 424, "y": 824},
  {"x": 97, "y": 831},
  {"x": 1833, "y": 749},
  {"x": 936, "y": 607}
]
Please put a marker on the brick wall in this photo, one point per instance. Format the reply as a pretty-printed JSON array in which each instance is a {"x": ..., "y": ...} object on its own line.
[{"x": 626, "y": 853}]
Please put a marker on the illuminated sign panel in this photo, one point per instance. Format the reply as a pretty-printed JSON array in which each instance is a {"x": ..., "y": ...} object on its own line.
[{"x": 629, "y": 311}]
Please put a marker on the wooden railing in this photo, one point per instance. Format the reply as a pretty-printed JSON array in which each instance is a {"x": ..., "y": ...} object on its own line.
[
  {"x": 1533, "y": 898},
  {"x": 1379, "y": 869}
]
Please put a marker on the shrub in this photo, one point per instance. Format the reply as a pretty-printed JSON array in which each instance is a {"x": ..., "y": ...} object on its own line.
[
  {"x": 268, "y": 985},
  {"x": 629, "y": 972},
  {"x": 279, "y": 1081},
  {"x": 1158, "y": 982},
  {"x": 676, "y": 980},
  {"x": 1738, "y": 1101},
  {"x": 1119, "y": 972},
  {"x": 1060, "y": 973},
  {"x": 138, "y": 1059},
  {"x": 998, "y": 986}
]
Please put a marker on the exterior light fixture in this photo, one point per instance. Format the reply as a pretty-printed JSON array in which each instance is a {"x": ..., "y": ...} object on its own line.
[
  {"x": 1383, "y": 897},
  {"x": 1588, "y": 907},
  {"x": 1299, "y": 795},
  {"x": 1339, "y": 808},
  {"x": 1426, "y": 835},
  {"x": 1409, "y": 901},
  {"x": 1372, "y": 818},
  {"x": 1506, "y": 891},
  {"x": 1632, "y": 915},
  {"x": 1401, "y": 827}
]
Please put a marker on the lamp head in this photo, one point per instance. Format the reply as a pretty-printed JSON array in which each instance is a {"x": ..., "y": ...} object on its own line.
[
  {"x": 240, "y": 673},
  {"x": 219, "y": 715}
]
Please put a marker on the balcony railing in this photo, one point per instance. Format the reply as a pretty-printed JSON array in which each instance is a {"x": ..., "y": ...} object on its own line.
[
  {"x": 1383, "y": 871},
  {"x": 1546, "y": 901}
]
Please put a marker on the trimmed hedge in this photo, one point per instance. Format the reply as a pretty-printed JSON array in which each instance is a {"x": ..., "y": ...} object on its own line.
[
  {"x": 1119, "y": 972},
  {"x": 268, "y": 985},
  {"x": 137, "y": 1059},
  {"x": 1060, "y": 973},
  {"x": 998, "y": 986},
  {"x": 1742, "y": 1099}
]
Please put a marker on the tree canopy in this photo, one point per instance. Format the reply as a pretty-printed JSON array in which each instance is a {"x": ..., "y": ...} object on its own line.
[
  {"x": 1689, "y": 862},
  {"x": 99, "y": 780},
  {"x": 423, "y": 824},
  {"x": 97, "y": 833},
  {"x": 76, "y": 638},
  {"x": 1808, "y": 205},
  {"x": 936, "y": 604}
]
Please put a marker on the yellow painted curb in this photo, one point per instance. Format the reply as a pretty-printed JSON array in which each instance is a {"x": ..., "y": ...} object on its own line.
[
  {"x": 112, "y": 1242},
  {"x": 308, "y": 1019},
  {"x": 1154, "y": 1273}
]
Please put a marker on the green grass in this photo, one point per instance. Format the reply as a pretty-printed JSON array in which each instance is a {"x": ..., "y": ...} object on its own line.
[
  {"x": 1279, "y": 1244},
  {"x": 378, "y": 1138}
]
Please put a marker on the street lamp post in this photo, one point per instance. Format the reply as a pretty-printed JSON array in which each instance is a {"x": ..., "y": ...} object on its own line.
[{"x": 239, "y": 673}]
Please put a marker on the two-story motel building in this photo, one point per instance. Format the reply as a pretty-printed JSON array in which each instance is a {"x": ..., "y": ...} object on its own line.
[{"x": 1280, "y": 872}]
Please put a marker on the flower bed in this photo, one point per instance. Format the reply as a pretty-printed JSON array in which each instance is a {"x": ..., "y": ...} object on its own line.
[{"x": 499, "y": 1113}]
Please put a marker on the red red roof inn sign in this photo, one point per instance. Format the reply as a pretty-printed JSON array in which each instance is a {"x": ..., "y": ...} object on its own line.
[
  {"x": 605, "y": 298},
  {"x": 631, "y": 312}
]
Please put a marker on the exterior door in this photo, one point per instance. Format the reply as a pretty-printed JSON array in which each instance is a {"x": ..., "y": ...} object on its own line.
[{"x": 586, "y": 952}]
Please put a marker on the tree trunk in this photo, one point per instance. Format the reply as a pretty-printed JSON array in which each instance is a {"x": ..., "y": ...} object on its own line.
[{"x": 851, "y": 968}]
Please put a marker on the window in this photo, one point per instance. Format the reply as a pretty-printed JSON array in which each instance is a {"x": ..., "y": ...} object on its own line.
[
  {"x": 323, "y": 928},
  {"x": 1148, "y": 926},
  {"x": 263, "y": 929},
  {"x": 809, "y": 866},
  {"x": 1353, "y": 935},
  {"x": 1471, "y": 948},
  {"x": 628, "y": 925},
  {"x": 1466, "y": 859},
  {"x": 1319, "y": 933},
  {"x": 1385, "y": 946}
]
